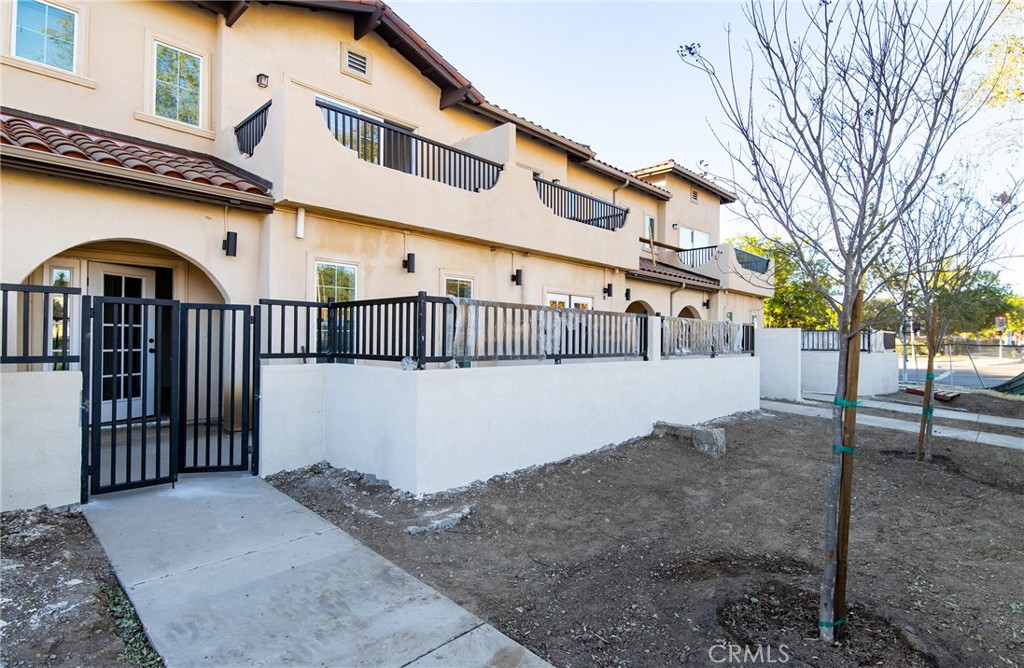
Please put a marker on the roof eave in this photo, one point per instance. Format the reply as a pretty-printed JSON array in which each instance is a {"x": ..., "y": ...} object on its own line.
[{"x": 51, "y": 164}]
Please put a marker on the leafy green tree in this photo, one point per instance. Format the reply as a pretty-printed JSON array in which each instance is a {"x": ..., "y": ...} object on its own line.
[{"x": 797, "y": 303}]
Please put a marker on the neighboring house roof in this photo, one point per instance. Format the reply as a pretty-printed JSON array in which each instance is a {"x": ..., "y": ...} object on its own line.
[
  {"x": 660, "y": 272},
  {"x": 672, "y": 167},
  {"x": 56, "y": 147}
]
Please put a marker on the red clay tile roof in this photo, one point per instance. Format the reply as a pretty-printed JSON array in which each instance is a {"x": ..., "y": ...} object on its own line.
[
  {"x": 95, "y": 147},
  {"x": 689, "y": 278}
]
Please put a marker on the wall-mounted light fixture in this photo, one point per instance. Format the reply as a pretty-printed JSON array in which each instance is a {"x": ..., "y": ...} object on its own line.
[
  {"x": 706, "y": 303},
  {"x": 230, "y": 244},
  {"x": 675, "y": 226},
  {"x": 409, "y": 263},
  {"x": 628, "y": 294},
  {"x": 517, "y": 277},
  {"x": 607, "y": 290},
  {"x": 262, "y": 80}
]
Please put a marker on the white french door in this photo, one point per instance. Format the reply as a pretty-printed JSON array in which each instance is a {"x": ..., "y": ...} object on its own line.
[{"x": 128, "y": 335}]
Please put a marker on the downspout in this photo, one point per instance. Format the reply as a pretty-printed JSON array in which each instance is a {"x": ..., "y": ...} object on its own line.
[
  {"x": 671, "y": 296},
  {"x": 616, "y": 190}
]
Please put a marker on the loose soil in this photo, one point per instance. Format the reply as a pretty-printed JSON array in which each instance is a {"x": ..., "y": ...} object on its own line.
[{"x": 644, "y": 554}]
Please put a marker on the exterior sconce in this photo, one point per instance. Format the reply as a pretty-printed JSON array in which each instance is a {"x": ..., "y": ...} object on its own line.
[
  {"x": 607, "y": 290},
  {"x": 230, "y": 244},
  {"x": 262, "y": 80},
  {"x": 409, "y": 263},
  {"x": 628, "y": 293},
  {"x": 706, "y": 303},
  {"x": 517, "y": 277}
]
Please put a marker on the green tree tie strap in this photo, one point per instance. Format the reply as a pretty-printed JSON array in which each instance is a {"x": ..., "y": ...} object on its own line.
[
  {"x": 842, "y": 448},
  {"x": 838, "y": 622},
  {"x": 930, "y": 376},
  {"x": 927, "y": 412},
  {"x": 839, "y": 401}
]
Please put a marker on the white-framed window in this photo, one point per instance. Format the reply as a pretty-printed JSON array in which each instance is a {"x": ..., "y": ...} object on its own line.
[
  {"x": 455, "y": 286},
  {"x": 690, "y": 238},
  {"x": 560, "y": 300},
  {"x": 45, "y": 33},
  {"x": 177, "y": 84},
  {"x": 335, "y": 281}
]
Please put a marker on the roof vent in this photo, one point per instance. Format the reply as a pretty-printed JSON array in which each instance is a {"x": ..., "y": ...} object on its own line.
[
  {"x": 693, "y": 196},
  {"x": 358, "y": 62}
]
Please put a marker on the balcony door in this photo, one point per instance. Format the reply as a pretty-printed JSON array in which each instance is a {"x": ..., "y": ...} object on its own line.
[{"x": 128, "y": 336}]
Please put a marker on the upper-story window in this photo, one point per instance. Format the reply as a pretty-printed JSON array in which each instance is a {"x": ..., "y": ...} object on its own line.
[
  {"x": 689, "y": 238},
  {"x": 178, "y": 91},
  {"x": 45, "y": 33}
]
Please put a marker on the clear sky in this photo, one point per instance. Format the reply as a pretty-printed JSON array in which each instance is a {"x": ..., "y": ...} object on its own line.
[{"x": 606, "y": 74}]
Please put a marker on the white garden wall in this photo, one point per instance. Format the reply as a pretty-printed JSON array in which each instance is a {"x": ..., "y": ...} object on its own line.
[
  {"x": 426, "y": 431},
  {"x": 40, "y": 439},
  {"x": 879, "y": 372},
  {"x": 779, "y": 352}
]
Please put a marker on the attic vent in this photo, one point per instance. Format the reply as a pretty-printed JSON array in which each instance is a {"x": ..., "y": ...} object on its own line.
[
  {"x": 693, "y": 196},
  {"x": 358, "y": 63}
]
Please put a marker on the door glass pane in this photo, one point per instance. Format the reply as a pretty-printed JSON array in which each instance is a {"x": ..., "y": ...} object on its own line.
[
  {"x": 112, "y": 285},
  {"x": 132, "y": 287}
]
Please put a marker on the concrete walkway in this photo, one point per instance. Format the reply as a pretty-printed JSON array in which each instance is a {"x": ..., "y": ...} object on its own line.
[
  {"x": 224, "y": 570},
  {"x": 961, "y": 415},
  {"x": 1000, "y": 440}
]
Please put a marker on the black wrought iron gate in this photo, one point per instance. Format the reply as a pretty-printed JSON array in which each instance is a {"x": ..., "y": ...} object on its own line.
[{"x": 167, "y": 390}]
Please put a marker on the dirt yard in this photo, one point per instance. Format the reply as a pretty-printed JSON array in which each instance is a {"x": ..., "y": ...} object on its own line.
[{"x": 644, "y": 554}]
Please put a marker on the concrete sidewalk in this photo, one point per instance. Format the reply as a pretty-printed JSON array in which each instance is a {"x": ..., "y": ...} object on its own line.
[
  {"x": 999, "y": 440},
  {"x": 224, "y": 570},
  {"x": 961, "y": 415}
]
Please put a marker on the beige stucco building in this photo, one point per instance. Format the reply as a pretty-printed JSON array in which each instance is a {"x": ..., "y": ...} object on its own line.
[{"x": 227, "y": 152}]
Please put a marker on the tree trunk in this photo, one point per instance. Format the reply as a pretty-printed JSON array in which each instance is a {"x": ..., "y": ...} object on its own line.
[
  {"x": 924, "y": 434},
  {"x": 826, "y": 604},
  {"x": 846, "y": 475}
]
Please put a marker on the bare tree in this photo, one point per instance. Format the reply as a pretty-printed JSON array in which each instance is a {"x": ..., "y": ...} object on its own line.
[
  {"x": 841, "y": 119},
  {"x": 944, "y": 241}
]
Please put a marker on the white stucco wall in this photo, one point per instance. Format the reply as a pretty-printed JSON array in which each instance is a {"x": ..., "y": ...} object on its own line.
[
  {"x": 291, "y": 416},
  {"x": 879, "y": 372},
  {"x": 40, "y": 439},
  {"x": 433, "y": 430},
  {"x": 779, "y": 352}
]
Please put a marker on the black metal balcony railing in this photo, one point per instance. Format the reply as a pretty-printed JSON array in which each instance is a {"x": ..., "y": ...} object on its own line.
[
  {"x": 568, "y": 203},
  {"x": 751, "y": 261},
  {"x": 395, "y": 148},
  {"x": 695, "y": 257},
  {"x": 249, "y": 132}
]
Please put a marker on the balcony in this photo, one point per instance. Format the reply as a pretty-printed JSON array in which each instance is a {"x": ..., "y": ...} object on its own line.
[
  {"x": 735, "y": 269},
  {"x": 383, "y": 144},
  {"x": 573, "y": 205},
  {"x": 328, "y": 158}
]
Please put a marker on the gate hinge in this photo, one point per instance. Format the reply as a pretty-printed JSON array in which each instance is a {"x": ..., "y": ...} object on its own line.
[{"x": 252, "y": 319}]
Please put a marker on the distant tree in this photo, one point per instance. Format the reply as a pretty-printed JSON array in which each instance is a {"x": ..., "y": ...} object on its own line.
[
  {"x": 1003, "y": 81},
  {"x": 883, "y": 313},
  {"x": 796, "y": 302},
  {"x": 944, "y": 242},
  {"x": 855, "y": 104}
]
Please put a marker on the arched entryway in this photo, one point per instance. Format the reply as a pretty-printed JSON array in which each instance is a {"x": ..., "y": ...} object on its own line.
[
  {"x": 641, "y": 307},
  {"x": 166, "y": 364},
  {"x": 689, "y": 312}
]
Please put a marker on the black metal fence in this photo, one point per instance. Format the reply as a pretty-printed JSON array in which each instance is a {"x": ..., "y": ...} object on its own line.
[
  {"x": 396, "y": 148},
  {"x": 682, "y": 337},
  {"x": 825, "y": 340},
  {"x": 249, "y": 132},
  {"x": 493, "y": 331},
  {"x": 695, "y": 257},
  {"x": 574, "y": 205},
  {"x": 48, "y": 339}
]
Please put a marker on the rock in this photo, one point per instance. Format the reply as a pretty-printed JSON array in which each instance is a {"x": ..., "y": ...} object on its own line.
[{"x": 709, "y": 440}]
